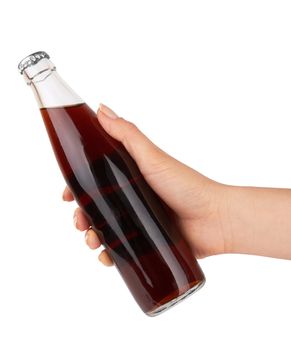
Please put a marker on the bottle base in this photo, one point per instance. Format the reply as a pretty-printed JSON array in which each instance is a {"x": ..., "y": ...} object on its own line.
[{"x": 160, "y": 309}]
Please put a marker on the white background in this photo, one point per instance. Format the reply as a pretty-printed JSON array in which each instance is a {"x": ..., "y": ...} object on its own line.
[{"x": 208, "y": 81}]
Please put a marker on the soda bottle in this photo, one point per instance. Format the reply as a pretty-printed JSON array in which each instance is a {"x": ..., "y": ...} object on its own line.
[{"x": 134, "y": 224}]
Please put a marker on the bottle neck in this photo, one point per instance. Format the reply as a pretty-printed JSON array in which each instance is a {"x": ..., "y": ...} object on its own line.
[{"x": 50, "y": 90}]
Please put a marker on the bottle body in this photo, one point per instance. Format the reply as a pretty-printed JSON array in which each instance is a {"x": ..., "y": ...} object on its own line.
[
  {"x": 133, "y": 223},
  {"x": 152, "y": 258}
]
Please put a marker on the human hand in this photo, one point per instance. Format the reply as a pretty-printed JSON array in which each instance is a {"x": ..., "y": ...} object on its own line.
[{"x": 197, "y": 203}]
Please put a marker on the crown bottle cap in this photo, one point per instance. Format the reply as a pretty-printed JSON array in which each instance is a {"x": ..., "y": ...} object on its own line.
[{"x": 31, "y": 60}]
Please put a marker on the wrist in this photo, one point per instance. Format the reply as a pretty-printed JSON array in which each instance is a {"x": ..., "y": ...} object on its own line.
[
  {"x": 227, "y": 222},
  {"x": 237, "y": 215}
]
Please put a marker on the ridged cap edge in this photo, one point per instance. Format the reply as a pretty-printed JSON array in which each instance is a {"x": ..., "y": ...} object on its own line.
[{"x": 32, "y": 59}]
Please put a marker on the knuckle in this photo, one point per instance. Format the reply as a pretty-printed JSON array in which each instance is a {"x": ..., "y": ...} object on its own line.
[
  {"x": 131, "y": 128},
  {"x": 129, "y": 132},
  {"x": 109, "y": 128}
]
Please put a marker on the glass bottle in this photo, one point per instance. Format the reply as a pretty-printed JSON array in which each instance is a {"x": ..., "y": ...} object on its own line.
[{"x": 133, "y": 223}]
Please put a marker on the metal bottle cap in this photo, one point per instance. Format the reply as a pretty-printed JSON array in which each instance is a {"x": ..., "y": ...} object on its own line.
[{"x": 31, "y": 60}]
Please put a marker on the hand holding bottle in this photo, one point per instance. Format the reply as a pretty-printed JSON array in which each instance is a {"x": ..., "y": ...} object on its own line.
[
  {"x": 193, "y": 198},
  {"x": 214, "y": 218}
]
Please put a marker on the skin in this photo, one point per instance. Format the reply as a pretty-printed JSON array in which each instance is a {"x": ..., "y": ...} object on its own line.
[{"x": 214, "y": 218}]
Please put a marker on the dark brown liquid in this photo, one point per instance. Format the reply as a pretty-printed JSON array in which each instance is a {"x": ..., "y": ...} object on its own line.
[{"x": 153, "y": 259}]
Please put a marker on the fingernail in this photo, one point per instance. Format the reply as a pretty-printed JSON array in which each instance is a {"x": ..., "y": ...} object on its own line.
[
  {"x": 92, "y": 239},
  {"x": 107, "y": 111},
  {"x": 75, "y": 220}
]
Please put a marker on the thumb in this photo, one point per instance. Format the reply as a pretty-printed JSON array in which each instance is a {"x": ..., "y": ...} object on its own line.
[
  {"x": 149, "y": 158},
  {"x": 172, "y": 180}
]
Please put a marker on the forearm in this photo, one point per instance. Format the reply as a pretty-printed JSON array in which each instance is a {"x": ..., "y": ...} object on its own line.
[{"x": 259, "y": 221}]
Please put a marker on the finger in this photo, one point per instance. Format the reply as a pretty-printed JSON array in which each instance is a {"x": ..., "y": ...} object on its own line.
[
  {"x": 92, "y": 239},
  {"x": 146, "y": 154},
  {"x": 67, "y": 195},
  {"x": 80, "y": 220},
  {"x": 105, "y": 258}
]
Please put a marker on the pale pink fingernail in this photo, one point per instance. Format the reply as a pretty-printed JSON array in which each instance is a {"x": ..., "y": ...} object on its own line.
[
  {"x": 107, "y": 111},
  {"x": 94, "y": 240}
]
